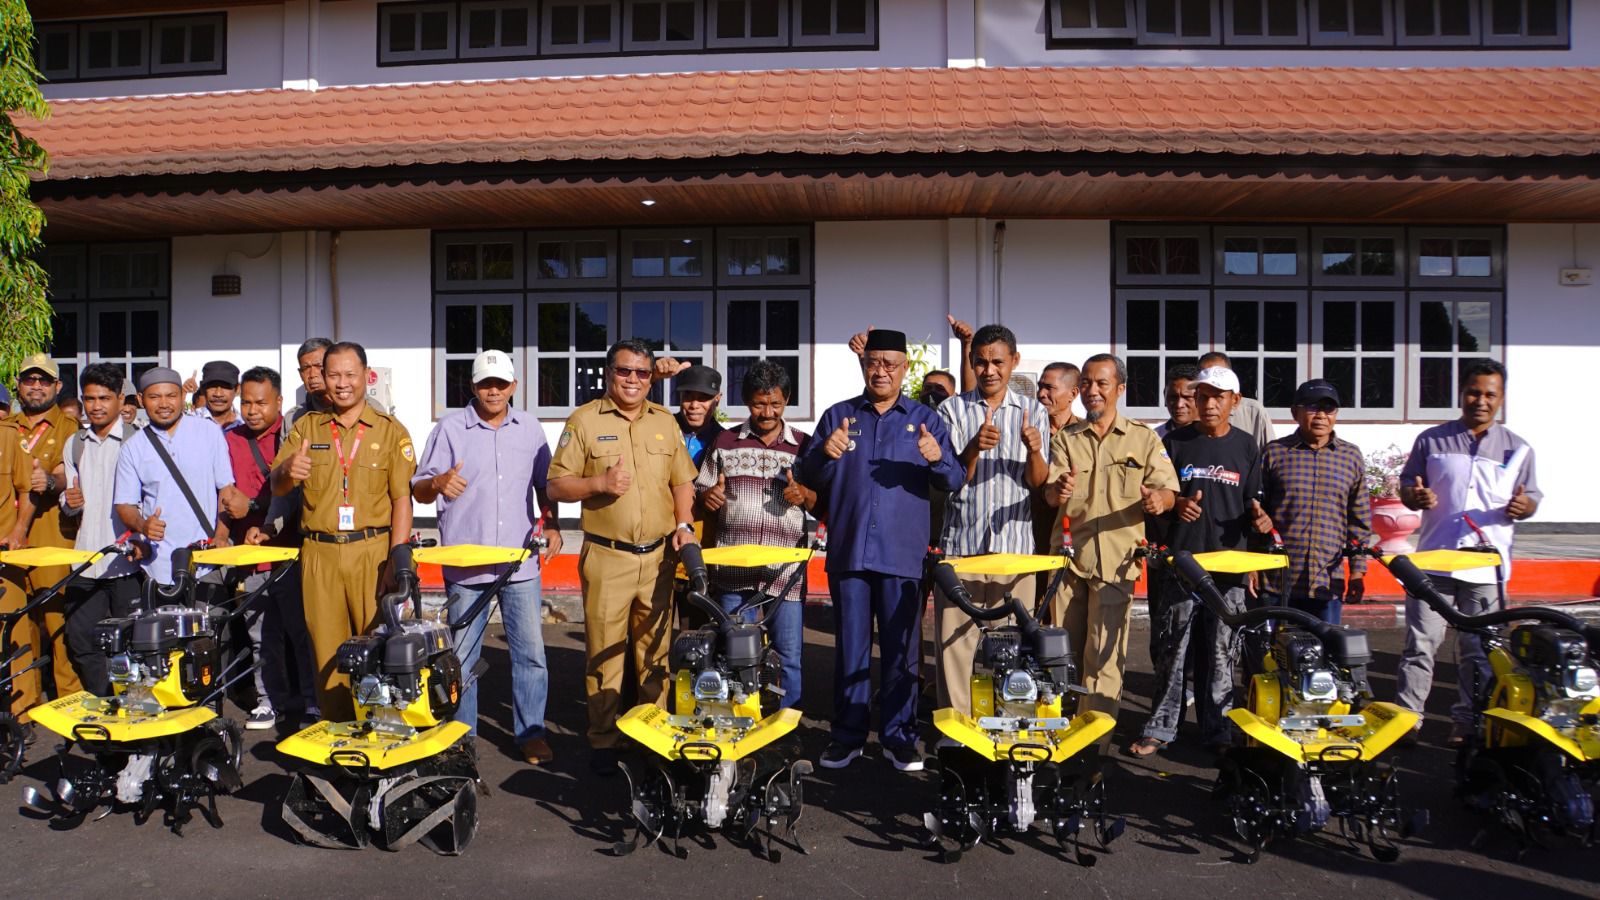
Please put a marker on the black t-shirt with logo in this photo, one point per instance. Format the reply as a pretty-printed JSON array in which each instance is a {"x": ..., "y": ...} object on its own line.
[{"x": 1226, "y": 470}]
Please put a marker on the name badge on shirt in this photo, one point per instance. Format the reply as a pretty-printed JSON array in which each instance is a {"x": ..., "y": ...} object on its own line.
[{"x": 347, "y": 518}]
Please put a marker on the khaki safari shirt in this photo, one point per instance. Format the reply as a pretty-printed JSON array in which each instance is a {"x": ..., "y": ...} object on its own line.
[
  {"x": 1105, "y": 510},
  {"x": 16, "y": 470},
  {"x": 652, "y": 448},
  {"x": 46, "y": 442},
  {"x": 381, "y": 471}
]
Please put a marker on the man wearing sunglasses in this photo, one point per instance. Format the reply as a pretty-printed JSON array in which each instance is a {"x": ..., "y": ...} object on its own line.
[
  {"x": 623, "y": 458},
  {"x": 1315, "y": 493}
]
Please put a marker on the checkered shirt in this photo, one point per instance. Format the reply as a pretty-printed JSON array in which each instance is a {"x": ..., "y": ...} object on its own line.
[{"x": 1318, "y": 501}]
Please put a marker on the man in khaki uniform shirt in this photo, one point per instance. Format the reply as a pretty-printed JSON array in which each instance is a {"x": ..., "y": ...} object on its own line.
[
  {"x": 355, "y": 464},
  {"x": 1108, "y": 472},
  {"x": 43, "y": 430},
  {"x": 16, "y": 511},
  {"x": 622, "y": 457}
]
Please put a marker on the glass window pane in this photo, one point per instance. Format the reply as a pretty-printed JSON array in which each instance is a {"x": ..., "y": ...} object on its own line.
[
  {"x": 1419, "y": 17},
  {"x": 514, "y": 27},
  {"x": 1111, "y": 14},
  {"x": 1473, "y": 257},
  {"x": 1247, "y": 368},
  {"x": 1339, "y": 327},
  {"x": 563, "y": 24},
  {"x": 144, "y": 327},
  {"x": 852, "y": 17},
  {"x": 497, "y": 328},
  {"x": 457, "y": 382},
  {"x": 555, "y": 383},
  {"x": 99, "y": 51},
  {"x": 1472, "y": 327},
  {"x": 592, "y": 321},
  {"x": 1377, "y": 382},
  {"x": 650, "y": 323},
  {"x": 1338, "y": 256},
  {"x": 1144, "y": 255},
  {"x": 649, "y": 259},
  {"x": 1505, "y": 16},
  {"x": 1161, "y": 16},
  {"x": 1144, "y": 381},
  {"x": 764, "y": 18},
  {"x": 816, "y": 17},
  {"x": 783, "y": 256},
  {"x": 647, "y": 22},
  {"x": 688, "y": 325},
  {"x": 1434, "y": 316},
  {"x": 597, "y": 23},
  {"x": 1144, "y": 324},
  {"x": 1241, "y": 326},
  {"x": 1239, "y": 256},
  {"x": 64, "y": 334},
  {"x": 590, "y": 380},
  {"x": 1183, "y": 255},
  {"x": 555, "y": 328},
  {"x": 1246, "y": 17},
  {"x": 730, "y": 18},
  {"x": 1280, "y": 376},
  {"x": 1279, "y": 256},
  {"x": 680, "y": 21},
  {"x": 130, "y": 48},
  {"x": 1341, "y": 370},
  {"x": 685, "y": 257},
  {"x": 113, "y": 271},
  {"x": 1283, "y": 18},
  {"x": 1455, "y": 17},
  {"x": 1370, "y": 18},
  {"x": 1543, "y": 18},
  {"x": 203, "y": 44},
  {"x": 744, "y": 325},
  {"x": 144, "y": 271},
  {"x": 460, "y": 262},
  {"x": 783, "y": 325},
  {"x": 744, "y": 256},
  {"x": 1378, "y": 257},
  {"x": 1074, "y": 13},
  {"x": 461, "y": 329},
  {"x": 1280, "y": 327},
  {"x": 113, "y": 335},
  {"x": 1377, "y": 325},
  {"x": 69, "y": 378},
  {"x": 435, "y": 30},
  {"x": 592, "y": 259},
  {"x": 1333, "y": 16},
  {"x": 738, "y": 367},
  {"x": 1196, "y": 17},
  {"x": 171, "y": 43},
  {"x": 1436, "y": 257},
  {"x": 1183, "y": 325},
  {"x": 553, "y": 260},
  {"x": 402, "y": 32},
  {"x": 480, "y": 28},
  {"x": 499, "y": 262},
  {"x": 1436, "y": 387}
]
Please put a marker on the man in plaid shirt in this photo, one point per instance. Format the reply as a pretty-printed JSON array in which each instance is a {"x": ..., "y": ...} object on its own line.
[
  {"x": 748, "y": 489},
  {"x": 1316, "y": 495}
]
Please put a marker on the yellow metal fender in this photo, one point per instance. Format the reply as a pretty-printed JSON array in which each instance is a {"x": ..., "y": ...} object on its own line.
[
  {"x": 1060, "y": 746},
  {"x": 75, "y": 711},
  {"x": 652, "y": 727},
  {"x": 382, "y": 752},
  {"x": 1584, "y": 746},
  {"x": 1385, "y": 723}
]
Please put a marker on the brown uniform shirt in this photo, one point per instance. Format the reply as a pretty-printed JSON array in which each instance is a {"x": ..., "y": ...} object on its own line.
[
  {"x": 15, "y": 472},
  {"x": 1106, "y": 510},
  {"x": 652, "y": 448},
  {"x": 382, "y": 470},
  {"x": 46, "y": 442}
]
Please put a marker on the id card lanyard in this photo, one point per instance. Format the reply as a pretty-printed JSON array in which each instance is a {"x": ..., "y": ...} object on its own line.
[
  {"x": 347, "y": 511},
  {"x": 33, "y": 440}
]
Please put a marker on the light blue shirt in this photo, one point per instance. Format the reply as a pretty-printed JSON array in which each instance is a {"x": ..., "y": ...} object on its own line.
[
  {"x": 502, "y": 467},
  {"x": 200, "y": 452}
]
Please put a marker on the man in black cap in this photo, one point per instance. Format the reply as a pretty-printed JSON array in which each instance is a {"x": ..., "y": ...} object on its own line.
[
  {"x": 699, "y": 390},
  {"x": 874, "y": 458},
  {"x": 218, "y": 386},
  {"x": 1314, "y": 487}
]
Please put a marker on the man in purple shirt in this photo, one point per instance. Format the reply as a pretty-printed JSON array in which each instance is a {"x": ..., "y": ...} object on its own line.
[
  {"x": 872, "y": 461},
  {"x": 485, "y": 466}
]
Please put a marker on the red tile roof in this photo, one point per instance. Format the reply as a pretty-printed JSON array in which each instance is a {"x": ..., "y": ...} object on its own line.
[{"x": 1485, "y": 113}]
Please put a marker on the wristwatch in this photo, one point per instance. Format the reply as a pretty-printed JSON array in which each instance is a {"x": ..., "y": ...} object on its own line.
[{"x": 687, "y": 526}]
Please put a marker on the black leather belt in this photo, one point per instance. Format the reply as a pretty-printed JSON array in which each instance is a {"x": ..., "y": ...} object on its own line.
[
  {"x": 640, "y": 549},
  {"x": 345, "y": 537}
]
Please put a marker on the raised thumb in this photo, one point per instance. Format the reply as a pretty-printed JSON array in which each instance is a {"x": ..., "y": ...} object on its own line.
[
  {"x": 988, "y": 414},
  {"x": 924, "y": 430},
  {"x": 790, "y": 473},
  {"x": 1144, "y": 490},
  {"x": 456, "y": 469},
  {"x": 722, "y": 480},
  {"x": 36, "y": 462},
  {"x": 1420, "y": 485},
  {"x": 1519, "y": 491},
  {"x": 156, "y": 514},
  {"x": 1197, "y": 496}
]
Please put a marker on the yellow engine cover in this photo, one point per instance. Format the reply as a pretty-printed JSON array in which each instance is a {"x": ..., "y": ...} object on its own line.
[
  {"x": 1382, "y": 725},
  {"x": 1582, "y": 744},
  {"x": 85, "y": 714},
  {"x": 653, "y": 728},
  {"x": 380, "y": 751},
  {"x": 1024, "y": 746}
]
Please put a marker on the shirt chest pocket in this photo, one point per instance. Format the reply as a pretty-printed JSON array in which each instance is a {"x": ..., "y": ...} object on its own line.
[
  {"x": 324, "y": 473},
  {"x": 658, "y": 457},
  {"x": 1125, "y": 481},
  {"x": 370, "y": 473},
  {"x": 602, "y": 456}
]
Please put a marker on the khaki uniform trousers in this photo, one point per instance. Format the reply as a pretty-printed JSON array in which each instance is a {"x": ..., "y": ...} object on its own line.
[
  {"x": 627, "y": 602},
  {"x": 1096, "y": 616},
  {"x": 49, "y": 629},
  {"x": 28, "y": 689},
  {"x": 957, "y": 634},
  {"x": 340, "y": 585}
]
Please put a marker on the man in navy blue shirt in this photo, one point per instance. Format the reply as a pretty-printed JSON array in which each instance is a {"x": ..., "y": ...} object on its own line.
[{"x": 874, "y": 459}]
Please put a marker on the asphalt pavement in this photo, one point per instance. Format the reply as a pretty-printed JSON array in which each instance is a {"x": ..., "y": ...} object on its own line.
[{"x": 549, "y": 830}]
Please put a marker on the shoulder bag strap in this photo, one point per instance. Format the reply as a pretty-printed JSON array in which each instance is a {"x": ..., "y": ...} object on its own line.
[{"x": 209, "y": 528}]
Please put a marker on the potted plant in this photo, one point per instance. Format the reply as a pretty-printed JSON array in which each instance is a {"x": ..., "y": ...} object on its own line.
[{"x": 1392, "y": 521}]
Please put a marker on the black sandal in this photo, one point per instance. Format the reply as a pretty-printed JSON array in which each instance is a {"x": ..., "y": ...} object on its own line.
[{"x": 1146, "y": 747}]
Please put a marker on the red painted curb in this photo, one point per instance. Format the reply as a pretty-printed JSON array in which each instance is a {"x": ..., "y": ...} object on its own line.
[{"x": 1545, "y": 578}]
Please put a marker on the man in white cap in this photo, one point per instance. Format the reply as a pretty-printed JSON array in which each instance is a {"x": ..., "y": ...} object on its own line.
[
  {"x": 1219, "y": 481},
  {"x": 485, "y": 466}
]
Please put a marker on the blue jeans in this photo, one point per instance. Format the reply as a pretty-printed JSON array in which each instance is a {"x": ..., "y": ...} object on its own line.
[
  {"x": 786, "y": 631},
  {"x": 530, "y": 680},
  {"x": 1330, "y": 610},
  {"x": 861, "y": 599}
]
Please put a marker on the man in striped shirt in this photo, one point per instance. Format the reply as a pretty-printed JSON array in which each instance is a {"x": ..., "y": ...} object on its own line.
[
  {"x": 1001, "y": 433},
  {"x": 1314, "y": 486}
]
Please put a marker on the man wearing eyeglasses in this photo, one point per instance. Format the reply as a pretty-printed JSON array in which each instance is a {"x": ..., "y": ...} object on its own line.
[
  {"x": 43, "y": 429},
  {"x": 623, "y": 458},
  {"x": 1314, "y": 487}
]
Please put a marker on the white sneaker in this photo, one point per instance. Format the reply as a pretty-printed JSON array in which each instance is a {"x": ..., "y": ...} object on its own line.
[{"x": 261, "y": 718}]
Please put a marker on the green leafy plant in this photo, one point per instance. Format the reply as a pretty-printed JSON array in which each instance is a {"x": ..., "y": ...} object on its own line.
[
  {"x": 24, "y": 307},
  {"x": 919, "y": 362}
]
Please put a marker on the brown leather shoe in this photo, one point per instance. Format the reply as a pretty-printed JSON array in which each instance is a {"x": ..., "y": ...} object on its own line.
[{"x": 537, "y": 751}]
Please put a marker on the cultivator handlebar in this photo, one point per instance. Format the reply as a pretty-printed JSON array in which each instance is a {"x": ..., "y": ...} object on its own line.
[{"x": 1419, "y": 585}]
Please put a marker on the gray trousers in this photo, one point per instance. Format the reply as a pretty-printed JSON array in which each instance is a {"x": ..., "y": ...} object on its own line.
[
  {"x": 282, "y": 618},
  {"x": 1182, "y": 623},
  {"x": 1425, "y": 631}
]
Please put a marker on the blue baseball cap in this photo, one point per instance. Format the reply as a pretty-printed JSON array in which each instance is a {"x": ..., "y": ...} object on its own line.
[{"x": 5, "y": 395}]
